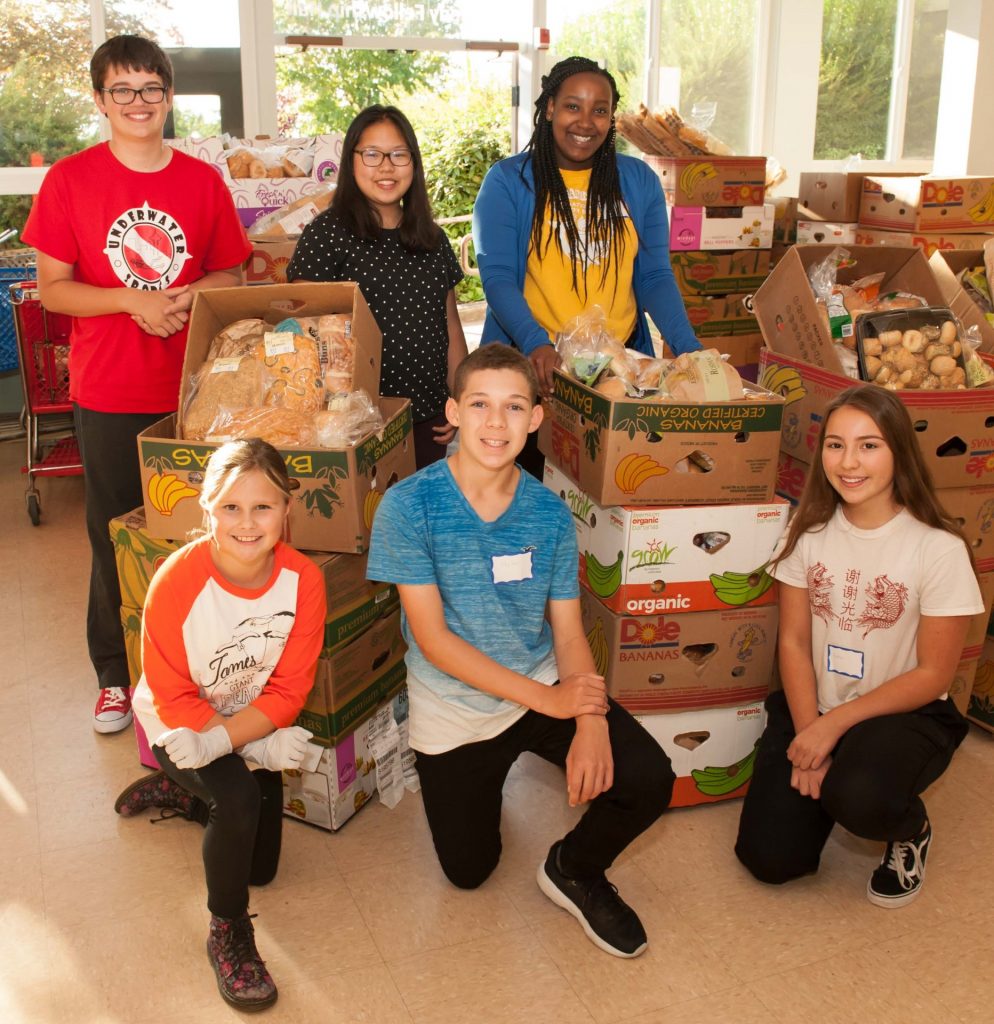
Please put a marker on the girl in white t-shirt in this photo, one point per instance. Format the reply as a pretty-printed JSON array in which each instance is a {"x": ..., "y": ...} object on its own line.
[{"x": 877, "y": 588}]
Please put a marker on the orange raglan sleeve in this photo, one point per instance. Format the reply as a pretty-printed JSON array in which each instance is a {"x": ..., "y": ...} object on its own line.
[
  {"x": 283, "y": 696},
  {"x": 171, "y": 594}
]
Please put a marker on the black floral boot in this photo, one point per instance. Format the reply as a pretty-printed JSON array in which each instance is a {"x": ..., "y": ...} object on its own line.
[
  {"x": 158, "y": 790},
  {"x": 242, "y": 978}
]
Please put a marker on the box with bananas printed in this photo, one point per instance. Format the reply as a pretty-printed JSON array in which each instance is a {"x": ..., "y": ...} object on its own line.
[
  {"x": 720, "y": 273},
  {"x": 928, "y": 204},
  {"x": 980, "y": 709},
  {"x": 711, "y": 180}
]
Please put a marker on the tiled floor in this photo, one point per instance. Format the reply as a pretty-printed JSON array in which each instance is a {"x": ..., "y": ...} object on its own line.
[{"x": 102, "y": 920}]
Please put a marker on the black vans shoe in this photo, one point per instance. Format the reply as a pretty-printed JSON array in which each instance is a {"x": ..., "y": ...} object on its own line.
[{"x": 899, "y": 878}]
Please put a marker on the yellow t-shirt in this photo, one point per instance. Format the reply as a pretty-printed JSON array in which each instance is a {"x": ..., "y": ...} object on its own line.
[{"x": 549, "y": 280}]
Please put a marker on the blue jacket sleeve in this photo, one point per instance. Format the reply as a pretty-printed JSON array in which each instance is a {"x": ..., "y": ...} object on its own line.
[
  {"x": 654, "y": 280},
  {"x": 502, "y": 213}
]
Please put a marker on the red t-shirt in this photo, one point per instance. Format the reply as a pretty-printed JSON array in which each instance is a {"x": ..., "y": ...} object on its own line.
[{"x": 120, "y": 227}]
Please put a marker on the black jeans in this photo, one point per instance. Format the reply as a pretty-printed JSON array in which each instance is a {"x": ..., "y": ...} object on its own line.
[
  {"x": 873, "y": 788},
  {"x": 244, "y": 830},
  {"x": 462, "y": 792},
  {"x": 426, "y": 449},
  {"x": 112, "y": 474}
]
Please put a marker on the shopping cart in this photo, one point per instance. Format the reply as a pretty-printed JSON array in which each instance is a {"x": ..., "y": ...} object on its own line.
[{"x": 43, "y": 353}]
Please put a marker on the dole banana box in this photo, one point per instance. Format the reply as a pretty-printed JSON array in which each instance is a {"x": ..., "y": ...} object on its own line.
[
  {"x": 955, "y": 429},
  {"x": 344, "y": 780},
  {"x": 720, "y": 273},
  {"x": 712, "y": 750},
  {"x": 980, "y": 709},
  {"x": 928, "y": 204},
  {"x": 711, "y": 180},
  {"x": 642, "y": 561},
  {"x": 929, "y": 242},
  {"x": 631, "y": 452},
  {"x": 336, "y": 489},
  {"x": 669, "y": 662},
  {"x": 721, "y": 227},
  {"x": 352, "y": 681},
  {"x": 268, "y": 262},
  {"x": 712, "y": 316}
]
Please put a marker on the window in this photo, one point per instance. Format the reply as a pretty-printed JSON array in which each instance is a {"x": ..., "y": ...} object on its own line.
[{"x": 924, "y": 75}]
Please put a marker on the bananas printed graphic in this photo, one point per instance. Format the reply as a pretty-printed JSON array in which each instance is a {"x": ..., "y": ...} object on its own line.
[
  {"x": 983, "y": 681},
  {"x": 373, "y": 498},
  {"x": 785, "y": 381},
  {"x": 693, "y": 174},
  {"x": 604, "y": 580},
  {"x": 983, "y": 212},
  {"x": 166, "y": 491},
  {"x": 722, "y": 781},
  {"x": 738, "y": 588},
  {"x": 137, "y": 559},
  {"x": 634, "y": 470},
  {"x": 598, "y": 647}
]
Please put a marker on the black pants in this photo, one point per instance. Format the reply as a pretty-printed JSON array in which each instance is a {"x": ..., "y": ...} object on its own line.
[
  {"x": 873, "y": 788},
  {"x": 112, "y": 474},
  {"x": 462, "y": 791},
  {"x": 426, "y": 449},
  {"x": 244, "y": 830}
]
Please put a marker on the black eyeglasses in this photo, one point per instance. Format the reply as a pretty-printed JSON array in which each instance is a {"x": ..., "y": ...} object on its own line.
[
  {"x": 122, "y": 95},
  {"x": 374, "y": 157}
]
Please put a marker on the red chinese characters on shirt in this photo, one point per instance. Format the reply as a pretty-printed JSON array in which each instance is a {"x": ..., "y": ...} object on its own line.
[{"x": 884, "y": 604}]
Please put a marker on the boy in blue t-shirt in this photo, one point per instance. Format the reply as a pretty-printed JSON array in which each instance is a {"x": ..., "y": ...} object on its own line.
[{"x": 485, "y": 560}]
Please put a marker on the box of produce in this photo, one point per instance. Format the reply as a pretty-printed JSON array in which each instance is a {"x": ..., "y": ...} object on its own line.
[
  {"x": 823, "y": 232},
  {"x": 719, "y": 273},
  {"x": 964, "y": 282},
  {"x": 711, "y": 180},
  {"x": 928, "y": 242},
  {"x": 832, "y": 195},
  {"x": 721, "y": 227},
  {"x": 944, "y": 205},
  {"x": 712, "y": 316}
]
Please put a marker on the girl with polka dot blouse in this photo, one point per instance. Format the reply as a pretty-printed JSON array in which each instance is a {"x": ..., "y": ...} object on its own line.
[{"x": 380, "y": 232}]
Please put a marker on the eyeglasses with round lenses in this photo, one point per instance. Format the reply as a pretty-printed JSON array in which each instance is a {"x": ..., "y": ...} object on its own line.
[
  {"x": 374, "y": 157},
  {"x": 122, "y": 95}
]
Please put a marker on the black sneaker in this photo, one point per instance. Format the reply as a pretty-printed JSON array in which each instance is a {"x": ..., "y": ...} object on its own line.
[
  {"x": 899, "y": 878},
  {"x": 606, "y": 918}
]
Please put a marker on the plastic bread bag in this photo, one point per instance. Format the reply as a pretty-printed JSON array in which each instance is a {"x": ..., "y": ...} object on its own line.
[
  {"x": 703, "y": 376},
  {"x": 281, "y": 427},
  {"x": 823, "y": 277},
  {"x": 228, "y": 382},
  {"x": 290, "y": 357},
  {"x": 288, "y": 222},
  {"x": 237, "y": 339},
  {"x": 585, "y": 347},
  {"x": 978, "y": 373},
  {"x": 347, "y": 420}
]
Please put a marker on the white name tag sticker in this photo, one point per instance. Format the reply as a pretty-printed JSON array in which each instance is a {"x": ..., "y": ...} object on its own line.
[
  {"x": 512, "y": 568},
  {"x": 845, "y": 661}
]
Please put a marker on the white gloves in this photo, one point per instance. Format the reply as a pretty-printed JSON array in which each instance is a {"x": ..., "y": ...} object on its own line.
[
  {"x": 189, "y": 749},
  {"x": 285, "y": 748}
]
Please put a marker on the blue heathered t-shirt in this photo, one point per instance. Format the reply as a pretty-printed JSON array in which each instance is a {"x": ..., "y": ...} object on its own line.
[{"x": 494, "y": 579}]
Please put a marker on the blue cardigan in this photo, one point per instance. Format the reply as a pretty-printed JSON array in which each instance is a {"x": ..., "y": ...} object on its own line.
[{"x": 502, "y": 224}]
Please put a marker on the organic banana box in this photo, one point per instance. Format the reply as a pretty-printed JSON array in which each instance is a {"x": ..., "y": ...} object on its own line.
[
  {"x": 721, "y": 227},
  {"x": 631, "y": 452},
  {"x": 686, "y": 559},
  {"x": 714, "y": 315},
  {"x": 712, "y": 750},
  {"x": 980, "y": 708},
  {"x": 930, "y": 242},
  {"x": 346, "y": 777},
  {"x": 711, "y": 180},
  {"x": 352, "y": 681},
  {"x": 667, "y": 662},
  {"x": 720, "y": 273},
  {"x": 138, "y": 553},
  {"x": 928, "y": 204}
]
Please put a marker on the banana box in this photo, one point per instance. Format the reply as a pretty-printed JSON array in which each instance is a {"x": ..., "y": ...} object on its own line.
[
  {"x": 669, "y": 662},
  {"x": 721, "y": 227},
  {"x": 712, "y": 750},
  {"x": 268, "y": 262},
  {"x": 346, "y": 776},
  {"x": 711, "y": 180},
  {"x": 352, "y": 681},
  {"x": 949, "y": 205},
  {"x": 712, "y": 316},
  {"x": 980, "y": 709},
  {"x": 631, "y": 452},
  {"x": 687, "y": 559},
  {"x": 825, "y": 232},
  {"x": 720, "y": 273},
  {"x": 930, "y": 242},
  {"x": 138, "y": 553},
  {"x": 337, "y": 489}
]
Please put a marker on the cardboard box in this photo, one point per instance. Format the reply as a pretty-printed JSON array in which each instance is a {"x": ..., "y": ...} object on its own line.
[
  {"x": 354, "y": 680},
  {"x": 717, "y": 315},
  {"x": 946, "y": 265},
  {"x": 721, "y": 227},
  {"x": 712, "y": 750},
  {"x": 667, "y": 662},
  {"x": 645, "y": 560},
  {"x": 700, "y": 454},
  {"x": 791, "y": 475},
  {"x": 785, "y": 220},
  {"x": 346, "y": 777},
  {"x": 346, "y": 622},
  {"x": 928, "y": 242},
  {"x": 912, "y": 203},
  {"x": 138, "y": 553},
  {"x": 980, "y": 709},
  {"x": 718, "y": 273},
  {"x": 832, "y": 195},
  {"x": 711, "y": 180},
  {"x": 268, "y": 262},
  {"x": 823, "y": 232}
]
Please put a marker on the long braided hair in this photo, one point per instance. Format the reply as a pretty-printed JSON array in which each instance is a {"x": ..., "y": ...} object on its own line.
[{"x": 605, "y": 212}]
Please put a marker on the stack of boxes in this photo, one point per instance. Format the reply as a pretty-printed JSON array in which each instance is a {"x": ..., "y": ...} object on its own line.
[
  {"x": 953, "y": 428},
  {"x": 721, "y": 231},
  {"x": 679, "y": 614},
  {"x": 357, "y": 708}
]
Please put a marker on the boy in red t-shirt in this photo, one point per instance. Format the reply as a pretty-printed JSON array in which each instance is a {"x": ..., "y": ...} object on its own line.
[{"x": 126, "y": 232}]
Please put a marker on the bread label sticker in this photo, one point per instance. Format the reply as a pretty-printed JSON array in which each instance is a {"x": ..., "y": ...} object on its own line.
[
  {"x": 226, "y": 364},
  {"x": 512, "y": 568},
  {"x": 280, "y": 343},
  {"x": 295, "y": 221}
]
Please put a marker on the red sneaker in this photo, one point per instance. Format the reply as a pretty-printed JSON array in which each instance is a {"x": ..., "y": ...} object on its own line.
[{"x": 113, "y": 710}]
